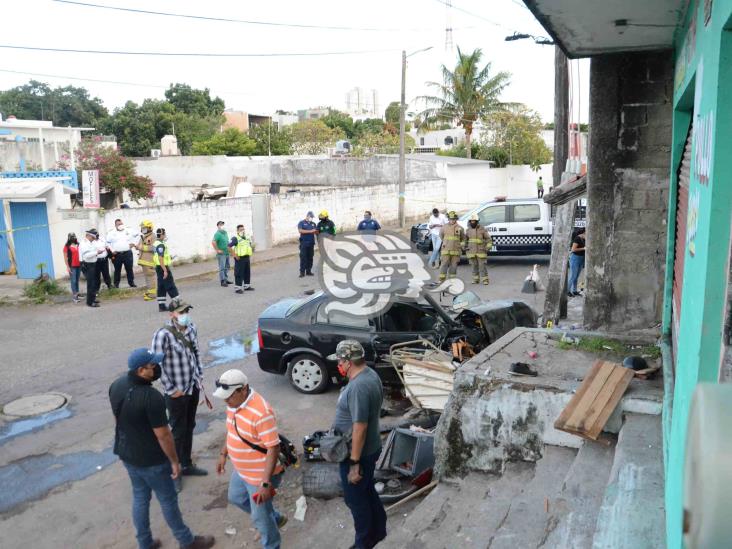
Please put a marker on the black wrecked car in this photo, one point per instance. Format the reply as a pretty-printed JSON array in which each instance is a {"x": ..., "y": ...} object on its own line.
[{"x": 296, "y": 335}]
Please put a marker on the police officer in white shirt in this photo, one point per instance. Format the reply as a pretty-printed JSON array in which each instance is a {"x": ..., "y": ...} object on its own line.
[
  {"x": 120, "y": 243},
  {"x": 102, "y": 261},
  {"x": 88, "y": 254}
]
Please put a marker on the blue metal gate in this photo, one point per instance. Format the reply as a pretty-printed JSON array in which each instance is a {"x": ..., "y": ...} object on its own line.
[
  {"x": 31, "y": 238},
  {"x": 4, "y": 252}
]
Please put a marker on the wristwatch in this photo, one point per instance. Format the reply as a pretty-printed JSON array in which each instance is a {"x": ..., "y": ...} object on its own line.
[
  {"x": 353, "y": 461},
  {"x": 266, "y": 485}
]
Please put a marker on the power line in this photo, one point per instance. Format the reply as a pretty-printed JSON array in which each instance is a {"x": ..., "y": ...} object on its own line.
[
  {"x": 197, "y": 54},
  {"x": 472, "y": 14},
  {"x": 241, "y": 21}
]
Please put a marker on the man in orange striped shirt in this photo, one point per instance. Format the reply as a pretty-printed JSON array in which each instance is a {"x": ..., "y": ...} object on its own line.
[{"x": 253, "y": 445}]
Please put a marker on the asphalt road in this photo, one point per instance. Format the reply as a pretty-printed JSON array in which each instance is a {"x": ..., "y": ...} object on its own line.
[{"x": 61, "y": 473}]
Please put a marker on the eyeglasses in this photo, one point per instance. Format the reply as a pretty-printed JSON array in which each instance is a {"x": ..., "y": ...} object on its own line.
[{"x": 227, "y": 386}]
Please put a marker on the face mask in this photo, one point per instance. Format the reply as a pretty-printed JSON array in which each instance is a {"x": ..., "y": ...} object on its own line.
[
  {"x": 367, "y": 217},
  {"x": 120, "y": 227},
  {"x": 183, "y": 320},
  {"x": 241, "y": 234},
  {"x": 221, "y": 229},
  {"x": 473, "y": 224},
  {"x": 342, "y": 370},
  {"x": 157, "y": 372}
]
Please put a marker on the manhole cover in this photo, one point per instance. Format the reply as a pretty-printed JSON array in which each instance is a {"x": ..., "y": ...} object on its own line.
[{"x": 34, "y": 405}]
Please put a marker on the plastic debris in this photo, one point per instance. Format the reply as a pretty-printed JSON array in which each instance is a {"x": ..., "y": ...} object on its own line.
[
  {"x": 301, "y": 505},
  {"x": 533, "y": 354},
  {"x": 99, "y": 467},
  {"x": 379, "y": 487},
  {"x": 230, "y": 531}
]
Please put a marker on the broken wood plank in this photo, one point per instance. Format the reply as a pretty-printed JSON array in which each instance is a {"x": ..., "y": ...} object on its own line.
[
  {"x": 557, "y": 273},
  {"x": 590, "y": 408}
]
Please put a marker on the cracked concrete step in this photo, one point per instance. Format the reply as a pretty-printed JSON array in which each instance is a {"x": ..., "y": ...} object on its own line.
[
  {"x": 632, "y": 513},
  {"x": 533, "y": 514},
  {"x": 581, "y": 497}
]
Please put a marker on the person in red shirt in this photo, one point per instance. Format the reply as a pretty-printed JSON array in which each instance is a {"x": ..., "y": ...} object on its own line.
[{"x": 73, "y": 265}]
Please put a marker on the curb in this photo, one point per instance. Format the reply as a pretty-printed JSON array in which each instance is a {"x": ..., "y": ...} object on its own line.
[{"x": 257, "y": 262}]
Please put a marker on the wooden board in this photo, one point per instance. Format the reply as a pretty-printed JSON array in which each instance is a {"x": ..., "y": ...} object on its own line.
[{"x": 595, "y": 400}]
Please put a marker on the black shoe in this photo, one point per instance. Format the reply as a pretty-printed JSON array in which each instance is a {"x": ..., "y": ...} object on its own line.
[
  {"x": 95, "y": 304},
  {"x": 239, "y": 291},
  {"x": 309, "y": 273},
  {"x": 116, "y": 286},
  {"x": 156, "y": 544},
  {"x": 224, "y": 284},
  {"x": 96, "y": 301},
  {"x": 163, "y": 308},
  {"x": 133, "y": 285},
  {"x": 249, "y": 289},
  {"x": 577, "y": 294},
  {"x": 302, "y": 275},
  {"x": 522, "y": 369},
  {"x": 570, "y": 294},
  {"x": 193, "y": 471},
  {"x": 178, "y": 483},
  {"x": 200, "y": 542}
]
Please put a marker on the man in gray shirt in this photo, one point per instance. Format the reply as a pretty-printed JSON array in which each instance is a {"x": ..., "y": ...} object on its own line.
[{"x": 357, "y": 412}]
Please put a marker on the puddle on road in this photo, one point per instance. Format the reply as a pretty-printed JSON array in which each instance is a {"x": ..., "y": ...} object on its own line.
[
  {"x": 231, "y": 348},
  {"x": 31, "y": 478},
  {"x": 23, "y": 426}
]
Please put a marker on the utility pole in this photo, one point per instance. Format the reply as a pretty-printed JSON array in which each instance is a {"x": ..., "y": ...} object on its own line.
[
  {"x": 561, "y": 115},
  {"x": 402, "y": 160}
]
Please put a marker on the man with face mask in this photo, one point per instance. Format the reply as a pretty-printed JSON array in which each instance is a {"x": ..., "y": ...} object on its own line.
[
  {"x": 182, "y": 379},
  {"x": 368, "y": 223},
  {"x": 241, "y": 248},
  {"x": 452, "y": 236},
  {"x": 89, "y": 253},
  {"x": 144, "y": 443},
  {"x": 479, "y": 242},
  {"x": 307, "y": 230},
  {"x": 120, "y": 242},
  {"x": 145, "y": 260},
  {"x": 357, "y": 412}
]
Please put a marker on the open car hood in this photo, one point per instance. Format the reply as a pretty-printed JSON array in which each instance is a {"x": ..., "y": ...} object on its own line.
[{"x": 499, "y": 317}]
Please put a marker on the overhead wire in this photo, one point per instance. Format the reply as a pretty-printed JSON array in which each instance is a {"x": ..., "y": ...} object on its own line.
[{"x": 472, "y": 14}]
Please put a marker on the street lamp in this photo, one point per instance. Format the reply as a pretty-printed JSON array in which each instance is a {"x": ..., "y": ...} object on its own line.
[{"x": 402, "y": 109}]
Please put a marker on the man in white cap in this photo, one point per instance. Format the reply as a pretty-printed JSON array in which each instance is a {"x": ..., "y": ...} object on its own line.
[{"x": 253, "y": 444}]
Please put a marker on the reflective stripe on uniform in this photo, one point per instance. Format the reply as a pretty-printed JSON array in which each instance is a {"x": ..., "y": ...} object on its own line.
[
  {"x": 166, "y": 254},
  {"x": 451, "y": 238},
  {"x": 243, "y": 247},
  {"x": 475, "y": 240}
]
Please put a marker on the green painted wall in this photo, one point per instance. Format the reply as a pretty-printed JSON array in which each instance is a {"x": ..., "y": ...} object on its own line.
[{"x": 703, "y": 86}]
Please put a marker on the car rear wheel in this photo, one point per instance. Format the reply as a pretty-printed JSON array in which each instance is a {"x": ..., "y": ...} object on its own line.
[{"x": 308, "y": 374}]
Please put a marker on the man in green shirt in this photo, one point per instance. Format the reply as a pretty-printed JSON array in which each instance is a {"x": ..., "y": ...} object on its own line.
[
  {"x": 540, "y": 187},
  {"x": 220, "y": 244}
]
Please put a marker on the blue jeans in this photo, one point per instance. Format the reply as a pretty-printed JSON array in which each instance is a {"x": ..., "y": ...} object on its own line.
[
  {"x": 436, "y": 243},
  {"x": 264, "y": 516},
  {"x": 576, "y": 264},
  {"x": 223, "y": 266},
  {"x": 74, "y": 274},
  {"x": 369, "y": 517},
  {"x": 155, "y": 479}
]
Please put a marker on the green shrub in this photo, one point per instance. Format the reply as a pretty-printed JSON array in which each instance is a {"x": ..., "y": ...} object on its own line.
[{"x": 41, "y": 289}]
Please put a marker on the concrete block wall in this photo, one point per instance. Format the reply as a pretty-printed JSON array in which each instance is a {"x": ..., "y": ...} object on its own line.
[
  {"x": 628, "y": 181},
  {"x": 347, "y": 204}
]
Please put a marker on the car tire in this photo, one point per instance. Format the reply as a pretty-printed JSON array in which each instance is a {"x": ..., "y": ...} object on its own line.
[{"x": 307, "y": 374}]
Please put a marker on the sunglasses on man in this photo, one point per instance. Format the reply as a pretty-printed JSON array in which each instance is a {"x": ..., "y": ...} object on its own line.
[{"x": 227, "y": 386}]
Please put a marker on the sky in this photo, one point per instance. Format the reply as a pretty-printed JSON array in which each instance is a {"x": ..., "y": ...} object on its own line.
[{"x": 369, "y": 39}]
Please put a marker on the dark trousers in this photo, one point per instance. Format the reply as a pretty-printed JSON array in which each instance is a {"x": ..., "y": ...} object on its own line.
[
  {"x": 182, "y": 418},
  {"x": 166, "y": 286},
  {"x": 123, "y": 258},
  {"x": 306, "y": 257},
  {"x": 103, "y": 273},
  {"x": 242, "y": 271},
  {"x": 540, "y": 193},
  {"x": 369, "y": 517},
  {"x": 91, "y": 282}
]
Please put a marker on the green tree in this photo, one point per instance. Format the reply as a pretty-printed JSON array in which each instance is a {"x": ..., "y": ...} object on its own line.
[
  {"x": 314, "y": 137},
  {"x": 116, "y": 172},
  {"x": 467, "y": 94},
  {"x": 337, "y": 119},
  {"x": 270, "y": 138},
  {"x": 370, "y": 125},
  {"x": 194, "y": 102},
  {"x": 64, "y": 106},
  {"x": 230, "y": 142},
  {"x": 381, "y": 143},
  {"x": 391, "y": 114},
  {"x": 517, "y": 131}
]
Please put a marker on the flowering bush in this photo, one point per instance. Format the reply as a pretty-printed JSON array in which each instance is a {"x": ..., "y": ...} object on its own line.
[{"x": 116, "y": 172}]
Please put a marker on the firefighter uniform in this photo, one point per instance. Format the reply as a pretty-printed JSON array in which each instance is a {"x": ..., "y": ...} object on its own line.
[
  {"x": 479, "y": 242},
  {"x": 162, "y": 262},
  {"x": 145, "y": 260},
  {"x": 452, "y": 236},
  {"x": 242, "y": 248}
]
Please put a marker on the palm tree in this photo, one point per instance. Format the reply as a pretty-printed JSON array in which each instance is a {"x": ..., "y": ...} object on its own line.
[{"x": 467, "y": 94}]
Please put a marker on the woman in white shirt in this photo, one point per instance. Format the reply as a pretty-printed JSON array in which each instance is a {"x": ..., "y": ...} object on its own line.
[{"x": 437, "y": 220}]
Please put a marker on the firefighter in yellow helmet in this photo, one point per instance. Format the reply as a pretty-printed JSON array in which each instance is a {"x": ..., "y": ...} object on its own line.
[
  {"x": 325, "y": 225},
  {"x": 145, "y": 260},
  {"x": 452, "y": 236},
  {"x": 479, "y": 242}
]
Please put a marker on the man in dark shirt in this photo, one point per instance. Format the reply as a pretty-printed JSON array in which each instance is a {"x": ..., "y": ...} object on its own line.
[
  {"x": 326, "y": 225},
  {"x": 357, "y": 412},
  {"x": 307, "y": 230},
  {"x": 368, "y": 223},
  {"x": 576, "y": 262},
  {"x": 144, "y": 443}
]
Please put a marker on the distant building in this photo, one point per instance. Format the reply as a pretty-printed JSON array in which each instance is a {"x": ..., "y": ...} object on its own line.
[
  {"x": 312, "y": 114},
  {"x": 362, "y": 104},
  {"x": 282, "y": 120},
  {"x": 243, "y": 121}
]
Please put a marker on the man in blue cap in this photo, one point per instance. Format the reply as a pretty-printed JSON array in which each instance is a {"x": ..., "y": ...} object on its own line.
[{"x": 144, "y": 443}]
